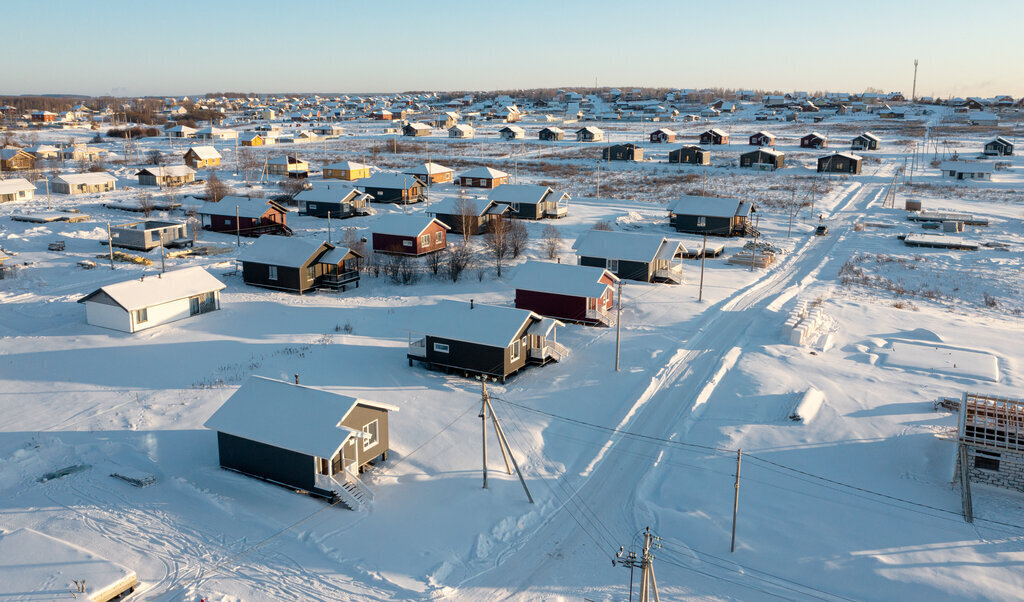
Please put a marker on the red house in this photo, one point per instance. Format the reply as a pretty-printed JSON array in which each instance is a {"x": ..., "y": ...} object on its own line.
[
  {"x": 483, "y": 177},
  {"x": 813, "y": 140},
  {"x": 412, "y": 235},
  {"x": 575, "y": 293},
  {"x": 662, "y": 135},
  {"x": 248, "y": 217},
  {"x": 762, "y": 138}
]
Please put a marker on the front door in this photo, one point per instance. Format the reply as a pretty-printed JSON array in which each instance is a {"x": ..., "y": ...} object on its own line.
[{"x": 193, "y": 306}]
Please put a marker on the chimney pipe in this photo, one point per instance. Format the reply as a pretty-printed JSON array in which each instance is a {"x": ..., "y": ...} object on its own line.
[
  {"x": 296, "y": 378},
  {"x": 471, "y": 304}
]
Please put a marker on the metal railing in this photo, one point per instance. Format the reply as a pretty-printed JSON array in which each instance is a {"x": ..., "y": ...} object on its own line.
[{"x": 341, "y": 278}]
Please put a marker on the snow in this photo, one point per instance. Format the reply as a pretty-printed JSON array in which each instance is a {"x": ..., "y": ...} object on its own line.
[
  {"x": 627, "y": 246},
  {"x": 405, "y": 225},
  {"x": 92, "y": 178},
  {"x": 15, "y": 185},
  {"x": 512, "y": 194},
  {"x": 285, "y": 251},
  {"x": 705, "y": 205},
  {"x": 938, "y": 358},
  {"x": 161, "y": 288},
  {"x": 562, "y": 279},
  {"x": 205, "y": 152},
  {"x": 483, "y": 172},
  {"x": 483, "y": 324},
  {"x": 246, "y": 207}
]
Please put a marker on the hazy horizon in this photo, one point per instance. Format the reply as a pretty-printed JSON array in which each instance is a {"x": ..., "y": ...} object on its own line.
[{"x": 123, "y": 48}]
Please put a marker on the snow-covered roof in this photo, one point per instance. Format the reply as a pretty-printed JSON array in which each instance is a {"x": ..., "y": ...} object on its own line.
[
  {"x": 490, "y": 325},
  {"x": 156, "y": 289},
  {"x": 428, "y": 169},
  {"x": 76, "y": 179},
  {"x": 346, "y": 166},
  {"x": 389, "y": 180},
  {"x": 554, "y": 129},
  {"x": 628, "y": 246},
  {"x": 455, "y": 205},
  {"x": 328, "y": 194},
  {"x": 404, "y": 225},
  {"x": 10, "y": 153},
  {"x": 529, "y": 194},
  {"x": 168, "y": 171},
  {"x": 849, "y": 156},
  {"x": 418, "y": 126},
  {"x": 513, "y": 128},
  {"x": 869, "y": 136},
  {"x": 250, "y": 208},
  {"x": 591, "y": 129},
  {"x": 717, "y": 132},
  {"x": 286, "y": 160},
  {"x": 767, "y": 151},
  {"x": 816, "y": 135},
  {"x": 966, "y": 166},
  {"x": 205, "y": 152},
  {"x": 483, "y": 172},
  {"x": 298, "y": 418},
  {"x": 336, "y": 255},
  {"x": 665, "y": 131},
  {"x": 562, "y": 279},
  {"x": 15, "y": 185},
  {"x": 707, "y": 206},
  {"x": 764, "y": 134},
  {"x": 284, "y": 251}
]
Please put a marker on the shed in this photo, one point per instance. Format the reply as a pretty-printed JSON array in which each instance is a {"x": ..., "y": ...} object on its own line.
[
  {"x": 564, "y": 291},
  {"x": 1000, "y": 147},
  {"x": 813, "y": 140},
  {"x": 589, "y": 134},
  {"x": 714, "y": 136},
  {"x": 551, "y": 134},
  {"x": 865, "y": 141},
  {"x": 623, "y": 152},
  {"x": 763, "y": 159},
  {"x": 149, "y": 234},
  {"x": 512, "y": 132},
  {"x": 412, "y": 235},
  {"x": 662, "y": 135},
  {"x": 762, "y": 138}
]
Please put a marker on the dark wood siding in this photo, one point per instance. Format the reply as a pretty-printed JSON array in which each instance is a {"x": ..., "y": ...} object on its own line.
[
  {"x": 471, "y": 357},
  {"x": 288, "y": 278},
  {"x": 477, "y": 225},
  {"x": 714, "y": 226},
  {"x": 320, "y": 209},
  {"x": 553, "y": 305},
  {"x": 268, "y": 462},
  {"x": 526, "y": 211},
  {"x": 628, "y": 270}
]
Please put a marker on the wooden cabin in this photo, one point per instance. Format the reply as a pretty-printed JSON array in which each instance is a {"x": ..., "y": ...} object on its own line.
[
  {"x": 714, "y": 136},
  {"x": 662, "y": 136},
  {"x": 1000, "y": 147},
  {"x": 483, "y": 177},
  {"x": 302, "y": 438},
  {"x": 551, "y": 134},
  {"x": 467, "y": 214},
  {"x": 461, "y": 130},
  {"x": 393, "y": 188},
  {"x": 244, "y": 216},
  {"x": 142, "y": 303},
  {"x": 251, "y": 139},
  {"x": 299, "y": 265},
  {"x": 16, "y": 189},
  {"x": 572, "y": 293},
  {"x": 691, "y": 154},
  {"x": 709, "y": 215},
  {"x": 589, "y": 134},
  {"x": 767, "y": 159},
  {"x": 83, "y": 183},
  {"x": 149, "y": 234},
  {"x": 966, "y": 170},
  {"x": 840, "y": 163},
  {"x": 416, "y": 129},
  {"x": 814, "y": 140},
  {"x": 346, "y": 170},
  {"x": 15, "y": 159},
  {"x": 623, "y": 152},
  {"x": 412, "y": 235},
  {"x": 334, "y": 201},
  {"x": 488, "y": 340},
  {"x": 762, "y": 138},
  {"x": 531, "y": 201},
  {"x": 288, "y": 165},
  {"x": 181, "y": 131},
  {"x": 865, "y": 141},
  {"x": 512, "y": 132},
  {"x": 632, "y": 255},
  {"x": 166, "y": 176},
  {"x": 431, "y": 173},
  {"x": 202, "y": 157}
]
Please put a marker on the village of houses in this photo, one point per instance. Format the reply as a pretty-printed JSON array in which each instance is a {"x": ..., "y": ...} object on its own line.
[{"x": 249, "y": 345}]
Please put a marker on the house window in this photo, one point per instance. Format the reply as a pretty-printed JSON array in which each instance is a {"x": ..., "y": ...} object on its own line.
[
  {"x": 438, "y": 237},
  {"x": 407, "y": 243},
  {"x": 702, "y": 222},
  {"x": 311, "y": 272},
  {"x": 986, "y": 461},
  {"x": 612, "y": 265},
  {"x": 515, "y": 350},
  {"x": 141, "y": 315},
  {"x": 425, "y": 240},
  {"x": 441, "y": 347},
  {"x": 370, "y": 433},
  {"x": 311, "y": 206},
  {"x": 272, "y": 272}
]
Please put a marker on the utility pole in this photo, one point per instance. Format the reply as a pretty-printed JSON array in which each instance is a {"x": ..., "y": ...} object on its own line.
[
  {"x": 110, "y": 246},
  {"x": 703, "y": 257},
  {"x": 913, "y": 92},
  {"x": 648, "y": 584},
  {"x": 753, "y": 258},
  {"x": 736, "y": 500},
  {"x": 483, "y": 426},
  {"x": 238, "y": 230},
  {"x": 163, "y": 267},
  {"x": 598, "y": 180},
  {"x": 328, "y": 227},
  {"x": 618, "y": 326},
  {"x": 792, "y": 203},
  {"x": 506, "y": 449}
]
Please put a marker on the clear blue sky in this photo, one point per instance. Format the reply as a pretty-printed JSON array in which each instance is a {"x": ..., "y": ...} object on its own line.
[{"x": 188, "y": 47}]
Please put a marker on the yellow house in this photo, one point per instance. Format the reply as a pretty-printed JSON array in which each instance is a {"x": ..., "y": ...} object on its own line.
[
  {"x": 251, "y": 139},
  {"x": 346, "y": 170},
  {"x": 199, "y": 157}
]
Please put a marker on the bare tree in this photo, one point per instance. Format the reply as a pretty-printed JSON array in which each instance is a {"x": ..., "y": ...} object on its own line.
[
  {"x": 434, "y": 262},
  {"x": 215, "y": 188},
  {"x": 465, "y": 216},
  {"x": 460, "y": 259},
  {"x": 401, "y": 269},
  {"x": 551, "y": 241},
  {"x": 353, "y": 241},
  {"x": 155, "y": 157},
  {"x": 147, "y": 204},
  {"x": 518, "y": 236},
  {"x": 603, "y": 225},
  {"x": 498, "y": 241}
]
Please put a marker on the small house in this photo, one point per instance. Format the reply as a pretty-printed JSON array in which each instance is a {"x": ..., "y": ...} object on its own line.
[
  {"x": 483, "y": 177},
  {"x": 142, "y": 303},
  {"x": 1000, "y": 147},
  {"x": 512, "y": 132},
  {"x": 302, "y": 438},
  {"x": 168, "y": 176},
  {"x": 412, "y": 235},
  {"x": 531, "y": 201},
  {"x": 244, "y": 216},
  {"x": 431, "y": 173},
  {"x": 691, "y": 154},
  {"x": 346, "y": 170},
  {"x": 43, "y": 151},
  {"x": 488, "y": 340},
  {"x": 982, "y": 118},
  {"x": 762, "y": 138},
  {"x": 865, "y": 141},
  {"x": 623, "y": 152},
  {"x": 989, "y": 438},
  {"x": 15, "y": 159},
  {"x": 328, "y": 129},
  {"x": 288, "y": 165},
  {"x": 251, "y": 139},
  {"x": 763, "y": 159},
  {"x": 573, "y": 293},
  {"x": 966, "y": 170},
  {"x": 632, "y": 255},
  {"x": 551, "y": 134},
  {"x": 202, "y": 157},
  {"x": 393, "y": 188},
  {"x": 468, "y": 215},
  {"x": 335, "y": 201},
  {"x": 81, "y": 152},
  {"x": 83, "y": 183},
  {"x": 714, "y": 136},
  {"x": 149, "y": 234},
  {"x": 181, "y": 131},
  {"x": 709, "y": 215},
  {"x": 589, "y": 134},
  {"x": 299, "y": 265},
  {"x": 813, "y": 140},
  {"x": 16, "y": 189},
  {"x": 662, "y": 135},
  {"x": 461, "y": 130},
  {"x": 840, "y": 163},
  {"x": 416, "y": 129},
  {"x": 216, "y": 133}
]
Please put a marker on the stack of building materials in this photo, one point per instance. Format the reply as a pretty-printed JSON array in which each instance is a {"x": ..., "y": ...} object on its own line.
[
  {"x": 804, "y": 321},
  {"x": 952, "y": 226}
]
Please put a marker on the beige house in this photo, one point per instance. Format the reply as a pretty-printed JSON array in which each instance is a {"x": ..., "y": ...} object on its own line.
[
  {"x": 167, "y": 175},
  {"x": 83, "y": 183},
  {"x": 199, "y": 157},
  {"x": 16, "y": 189},
  {"x": 287, "y": 165}
]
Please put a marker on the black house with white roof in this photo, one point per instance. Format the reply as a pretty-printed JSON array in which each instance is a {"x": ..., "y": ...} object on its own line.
[
  {"x": 632, "y": 255},
  {"x": 709, "y": 215}
]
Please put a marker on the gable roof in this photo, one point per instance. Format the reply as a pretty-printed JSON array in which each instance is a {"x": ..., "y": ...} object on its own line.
[
  {"x": 454, "y": 206},
  {"x": 390, "y": 180},
  {"x": 170, "y": 286},
  {"x": 815, "y": 135},
  {"x": 167, "y": 171},
  {"x": 562, "y": 279},
  {"x": 716, "y": 132},
  {"x": 707, "y": 206},
  {"x": 428, "y": 169},
  {"x": 405, "y": 225},
  {"x": 74, "y": 179},
  {"x": 250, "y": 208},
  {"x": 490, "y": 325},
  {"x": 849, "y": 156},
  {"x": 15, "y": 185},
  {"x": 966, "y": 166},
  {"x": 483, "y": 172},
  {"x": 330, "y": 194},
  {"x": 10, "y": 153},
  {"x": 284, "y": 251},
  {"x": 528, "y": 194},
  {"x": 346, "y": 166},
  {"x": 628, "y": 246},
  {"x": 298, "y": 418},
  {"x": 204, "y": 152},
  {"x": 286, "y": 160},
  {"x": 869, "y": 136}
]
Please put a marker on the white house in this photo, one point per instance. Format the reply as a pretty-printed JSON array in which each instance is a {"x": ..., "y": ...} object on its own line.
[
  {"x": 966, "y": 170},
  {"x": 82, "y": 183},
  {"x": 150, "y": 301},
  {"x": 16, "y": 189}
]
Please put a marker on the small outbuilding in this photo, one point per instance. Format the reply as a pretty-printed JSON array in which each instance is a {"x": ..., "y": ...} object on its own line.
[
  {"x": 461, "y": 130},
  {"x": 1000, "y": 147},
  {"x": 512, "y": 132},
  {"x": 16, "y": 189},
  {"x": 966, "y": 170},
  {"x": 813, "y": 140},
  {"x": 691, "y": 154},
  {"x": 416, "y": 129},
  {"x": 865, "y": 141},
  {"x": 762, "y": 138},
  {"x": 149, "y": 234},
  {"x": 589, "y": 134},
  {"x": 551, "y": 134},
  {"x": 623, "y": 152},
  {"x": 15, "y": 159},
  {"x": 662, "y": 136}
]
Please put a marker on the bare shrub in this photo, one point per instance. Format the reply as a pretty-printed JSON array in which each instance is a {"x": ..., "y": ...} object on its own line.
[
  {"x": 154, "y": 157},
  {"x": 518, "y": 237},
  {"x": 990, "y": 301},
  {"x": 434, "y": 262},
  {"x": 401, "y": 269},
  {"x": 459, "y": 259},
  {"x": 147, "y": 204},
  {"x": 603, "y": 225},
  {"x": 353, "y": 241},
  {"x": 551, "y": 241},
  {"x": 498, "y": 241},
  {"x": 216, "y": 189}
]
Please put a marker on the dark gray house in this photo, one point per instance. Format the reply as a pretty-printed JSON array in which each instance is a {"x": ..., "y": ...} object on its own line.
[
  {"x": 813, "y": 140},
  {"x": 623, "y": 152},
  {"x": 632, "y": 255},
  {"x": 551, "y": 134},
  {"x": 465, "y": 214},
  {"x": 302, "y": 438},
  {"x": 767, "y": 159},
  {"x": 691, "y": 153},
  {"x": 299, "y": 264},
  {"x": 149, "y": 234},
  {"x": 488, "y": 340},
  {"x": 1000, "y": 147},
  {"x": 709, "y": 215},
  {"x": 531, "y": 201},
  {"x": 866, "y": 141},
  {"x": 337, "y": 200},
  {"x": 392, "y": 188},
  {"x": 840, "y": 163}
]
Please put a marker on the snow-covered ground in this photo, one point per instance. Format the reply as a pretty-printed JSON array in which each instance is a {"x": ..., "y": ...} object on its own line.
[{"x": 856, "y": 503}]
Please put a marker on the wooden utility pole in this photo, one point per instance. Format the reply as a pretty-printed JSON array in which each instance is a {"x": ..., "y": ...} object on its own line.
[
  {"x": 238, "y": 229},
  {"x": 618, "y": 326},
  {"x": 913, "y": 90},
  {"x": 598, "y": 180},
  {"x": 792, "y": 203},
  {"x": 965, "y": 482},
  {"x": 506, "y": 449},
  {"x": 703, "y": 257},
  {"x": 645, "y": 562},
  {"x": 328, "y": 227},
  {"x": 483, "y": 427},
  {"x": 736, "y": 500},
  {"x": 110, "y": 246}
]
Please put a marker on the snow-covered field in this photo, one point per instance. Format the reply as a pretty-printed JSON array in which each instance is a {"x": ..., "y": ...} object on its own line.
[{"x": 856, "y": 503}]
